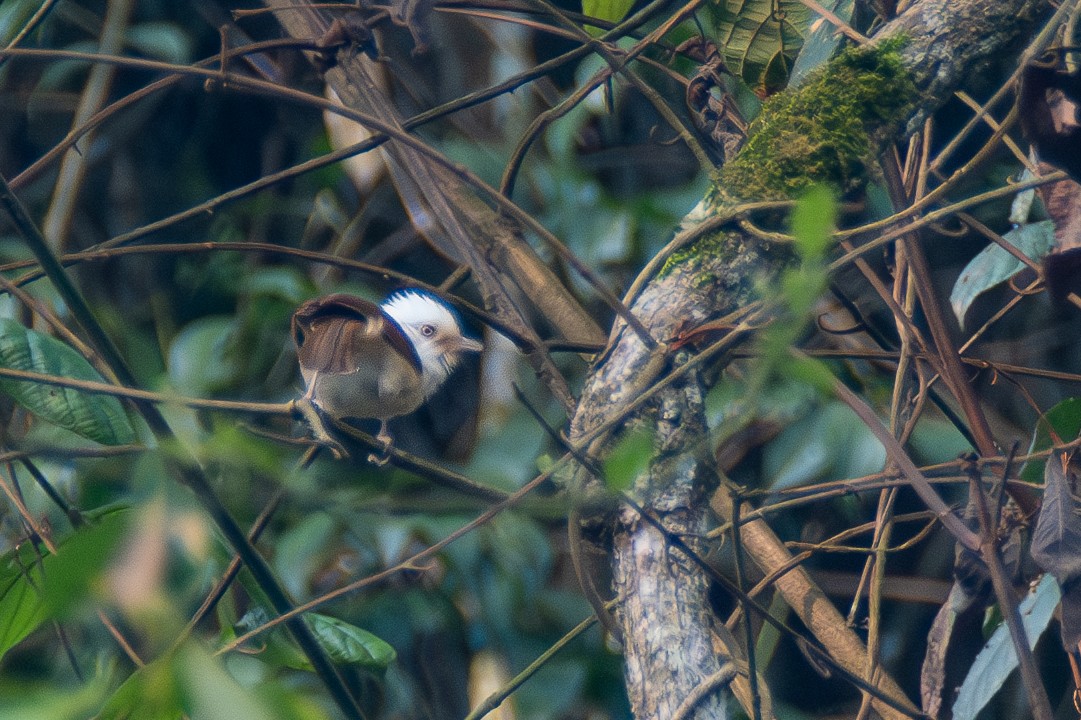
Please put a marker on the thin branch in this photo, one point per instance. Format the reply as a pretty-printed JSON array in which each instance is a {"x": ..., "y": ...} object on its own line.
[{"x": 185, "y": 469}]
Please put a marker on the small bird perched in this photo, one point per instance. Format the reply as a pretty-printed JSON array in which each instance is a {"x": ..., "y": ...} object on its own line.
[{"x": 362, "y": 360}]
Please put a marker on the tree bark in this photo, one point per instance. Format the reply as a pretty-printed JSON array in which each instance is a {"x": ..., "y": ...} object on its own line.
[{"x": 664, "y": 611}]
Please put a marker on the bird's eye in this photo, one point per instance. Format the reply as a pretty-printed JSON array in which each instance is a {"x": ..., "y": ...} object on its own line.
[{"x": 427, "y": 330}]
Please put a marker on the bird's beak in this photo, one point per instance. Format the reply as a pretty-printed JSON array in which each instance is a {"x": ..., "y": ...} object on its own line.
[{"x": 470, "y": 345}]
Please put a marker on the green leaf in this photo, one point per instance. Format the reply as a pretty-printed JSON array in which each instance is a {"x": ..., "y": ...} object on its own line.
[
  {"x": 14, "y": 16},
  {"x": 813, "y": 221},
  {"x": 284, "y": 283},
  {"x": 56, "y": 701},
  {"x": 994, "y": 265},
  {"x": 150, "y": 692},
  {"x": 96, "y": 417},
  {"x": 998, "y": 658},
  {"x": 21, "y": 606},
  {"x": 209, "y": 692},
  {"x": 200, "y": 361},
  {"x": 802, "y": 287},
  {"x": 349, "y": 644},
  {"x": 807, "y": 450},
  {"x": 192, "y": 683},
  {"x": 629, "y": 458},
  {"x": 759, "y": 44},
  {"x": 810, "y": 371},
  {"x": 611, "y": 10},
  {"x": 31, "y": 590},
  {"x": 162, "y": 41},
  {"x": 301, "y": 550},
  {"x": 276, "y": 649},
  {"x": 71, "y": 573},
  {"x": 1062, "y": 421}
]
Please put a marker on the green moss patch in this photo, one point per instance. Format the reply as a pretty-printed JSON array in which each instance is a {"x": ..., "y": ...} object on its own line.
[{"x": 822, "y": 132}]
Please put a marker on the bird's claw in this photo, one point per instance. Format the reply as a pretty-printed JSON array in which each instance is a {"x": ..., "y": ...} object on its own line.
[
  {"x": 383, "y": 456},
  {"x": 320, "y": 434}
]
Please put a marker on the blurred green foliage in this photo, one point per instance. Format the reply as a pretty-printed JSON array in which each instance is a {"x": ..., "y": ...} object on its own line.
[{"x": 209, "y": 318}]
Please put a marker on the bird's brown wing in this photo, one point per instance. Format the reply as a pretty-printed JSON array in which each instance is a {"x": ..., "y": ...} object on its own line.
[{"x": 330, "y": 333}]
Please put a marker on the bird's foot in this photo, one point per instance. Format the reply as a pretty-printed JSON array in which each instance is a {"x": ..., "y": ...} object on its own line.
[
  {"x": 320, "y": 434},
  {"x": 383, "y": 456}
]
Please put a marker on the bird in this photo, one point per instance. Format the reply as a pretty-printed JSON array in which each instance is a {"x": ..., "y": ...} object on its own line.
[{"x": 363, "y": 360}]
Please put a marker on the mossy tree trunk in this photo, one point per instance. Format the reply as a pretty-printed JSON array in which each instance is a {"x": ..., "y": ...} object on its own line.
[{"x": 803, "y": 137}]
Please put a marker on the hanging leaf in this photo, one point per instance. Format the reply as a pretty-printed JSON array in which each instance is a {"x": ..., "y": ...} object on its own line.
[
  {"x": 1056, "y": 542},
  {"x": 347, "y": 643},
  {"x": 761, "y": 38},
  {"x": 998, "y": 658},
  {"x": 96, "y": 417},
  {"x": 994, "y": 265},
  {"x": 958, "y": 618},
  {"x": 823, "y": 40}
]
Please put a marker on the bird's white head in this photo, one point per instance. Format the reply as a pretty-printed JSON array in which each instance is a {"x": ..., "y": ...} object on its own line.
[{"x": 434, "y": 329}]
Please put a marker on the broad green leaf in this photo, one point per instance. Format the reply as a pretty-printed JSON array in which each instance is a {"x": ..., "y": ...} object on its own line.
[
  {"x": 32, "y": 590},
  {"x": 71, "y": 573},
  {"x": 937, "y": 440},
  {"x": 96, "y": 417},
  {"x": 758, "y": 44},
  {"x": 150, "y": 692},
  {"x": 808, "y": 449},
  {"x": 284, "y": 283},
  {"x": 349, "y": 644},
  {"x": 998, "y": 658},
  {"x": 201, "y": 360},
  {"x": 629, "y": 458},
  {"x": 814, "y": 220},
  {"x": 812, "y": 372},
  {"x": 552, "y": 693},
  {"x": 1062, "y": 421},
  {"x": 57, "y": 701},
  {"x": 162, "y": 41},
  {"x": 519, "y": 549},
  {"x": 192, "y": 683},
  {"x": 994, "y": 265},
  {"x": 209, "y": 692},
  {"x": 21, "y": 606},
  {"x": 611, "y": 10},
  {"x": 823, "y": 40}
]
